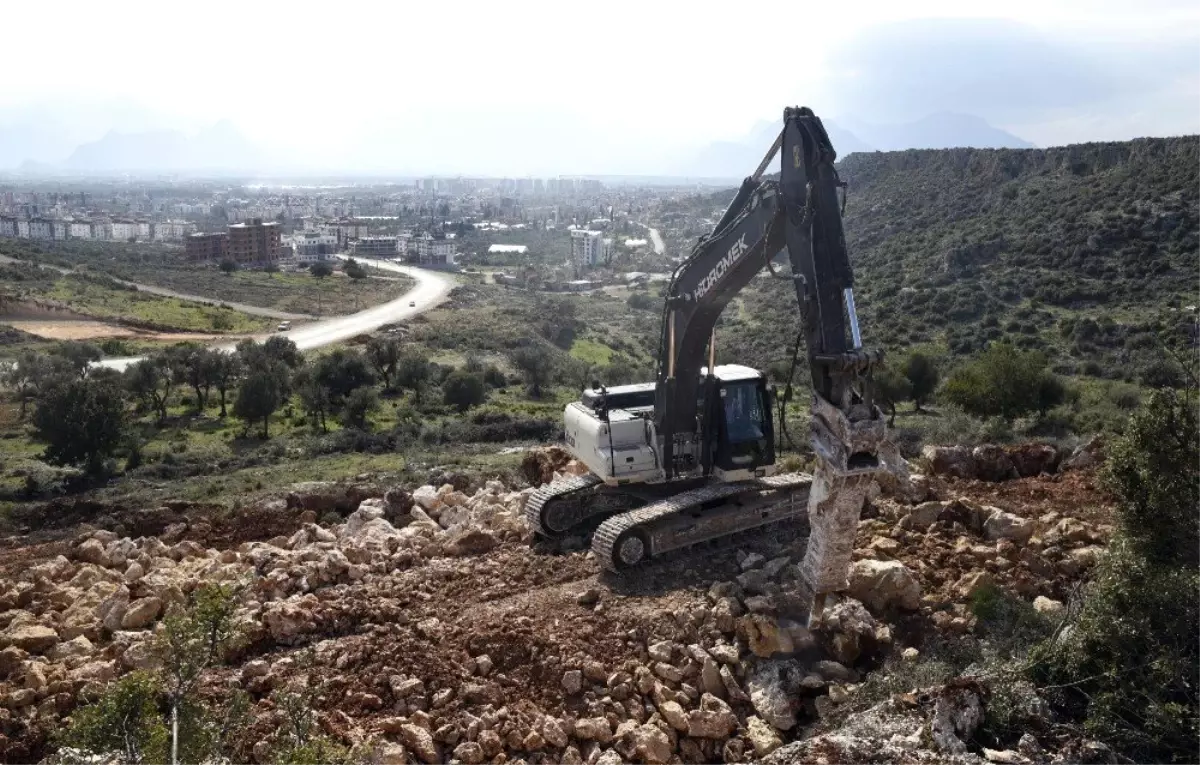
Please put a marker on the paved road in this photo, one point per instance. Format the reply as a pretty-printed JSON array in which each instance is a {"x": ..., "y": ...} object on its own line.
[
  {"x": 432, "y": 289},
  {"x": 162, "y": 292},
  {"x": 656, "y": 240}
]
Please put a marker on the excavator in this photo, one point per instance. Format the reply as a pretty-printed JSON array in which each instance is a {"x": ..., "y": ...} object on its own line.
[{"x": 690, "y": 458}]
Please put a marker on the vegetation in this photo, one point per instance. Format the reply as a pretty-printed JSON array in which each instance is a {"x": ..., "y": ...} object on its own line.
[
  {"x": 82, "y": 422},
  {"x": 1004, "y": 382},
  {"x": 128, "y": 717},
  {"x": 1128, "y": 662}
]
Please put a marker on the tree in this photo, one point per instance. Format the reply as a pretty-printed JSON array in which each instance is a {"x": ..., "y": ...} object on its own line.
[
  {"x": 228, "y": 267},
  {"x": 197, "y": 367},
  {"x": 125, "y": 719},
  {"x": 1004, "y": 382},
  {"x": 891, "y": 386},
  {"x": 640, "y": 301},
  {"x": 283, "y": 349},
  {"x": 341, "y": 372},
  {"x": 922, "y": 376},
  {"x": 354, "y": 269},
  {"x": 359, "y": 405},
  {"x": 320, "y": 269},
  {"x": 79, "y": 355},
  {"x": 82, "y": 422},
  {"x": 227, "y": 369},
  {"x": 190, "y": 641},
  {"x": 314, "y": 397},
  {"x": 33, "y": 372},
  {"x": 463, "y": 390},
  {"x": 150, "y": 380},
  {"x": 536, "y": 366},
  {"x": 261, "y": 393},
  {"x": 383, "y": 353},
  {"x": 412, "y": 372}
]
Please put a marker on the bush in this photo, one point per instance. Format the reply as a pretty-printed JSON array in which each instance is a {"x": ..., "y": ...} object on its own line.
[
  {"x": 124, "y": 719},
  {"x": 1004, "y": 382},
  {"x": 1127, "y": 664},
  {"x": 463, "y": 390}
]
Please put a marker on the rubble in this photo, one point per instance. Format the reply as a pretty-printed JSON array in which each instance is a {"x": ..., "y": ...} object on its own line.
[{"x": 443, "y": 636}]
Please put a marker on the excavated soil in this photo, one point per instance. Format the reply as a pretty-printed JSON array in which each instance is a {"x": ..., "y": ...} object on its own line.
[{"x": 536, "y": 615}]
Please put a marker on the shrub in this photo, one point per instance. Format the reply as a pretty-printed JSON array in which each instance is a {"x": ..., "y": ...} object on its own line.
[
  {"x": 1004, "y": 382},
  {"x": 1127, "y": 664},
  {"x": 463, "y": 390}
]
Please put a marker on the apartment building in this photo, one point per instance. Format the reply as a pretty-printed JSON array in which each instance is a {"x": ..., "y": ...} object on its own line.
[
  {"x": 375, "y": 247},
  {"x": 587, "y": 247},
  {"x": 314, "y": 245},
  {"x": 254, "y": 241},
  {"x": 209, "y": 247}
]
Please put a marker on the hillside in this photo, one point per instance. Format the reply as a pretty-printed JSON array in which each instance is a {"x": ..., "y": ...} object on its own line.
[{"x": 1088, "y": 252}]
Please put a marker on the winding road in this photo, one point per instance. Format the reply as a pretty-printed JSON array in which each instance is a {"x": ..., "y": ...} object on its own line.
[{"x": 431, "y": 290}]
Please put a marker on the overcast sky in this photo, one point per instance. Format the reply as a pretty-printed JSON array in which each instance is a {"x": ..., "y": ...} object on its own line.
[{"x": 617, "y": 86}]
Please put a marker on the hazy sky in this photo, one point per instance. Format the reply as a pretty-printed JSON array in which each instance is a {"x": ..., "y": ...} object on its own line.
[{"x": 616, "y": 86}]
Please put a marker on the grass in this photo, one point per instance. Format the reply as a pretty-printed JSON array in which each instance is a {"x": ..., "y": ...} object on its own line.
[
  {"x": 591, "y": 351},
  {"x": 290, "y": 292},
  {"x": 105, "y": 302}
]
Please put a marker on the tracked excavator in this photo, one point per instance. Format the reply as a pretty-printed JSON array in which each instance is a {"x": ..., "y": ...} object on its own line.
[{"x": 690, "y": 458}]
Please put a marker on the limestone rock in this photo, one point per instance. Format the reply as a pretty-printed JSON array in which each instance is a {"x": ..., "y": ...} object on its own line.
[
  {"x": 884, "y": 585},
  {"x": 651, "y": 745},
  {"x": 1031, "y": 460},
  {"x": 772, "y": 686},
  {"x": 593, "y": 729},
  {"x": 762, "y": 736},
  {"x": 992, "y": 463},
  {"x": 1002, "y": 525},
  {"x": 955, "y": 461},
  {"x": 1048, "y": 606},
  {"x": 141, "y": 613},
  {"x": 673, "y": 713},
  {"x": 714, "y": 719},
  {"x": 420, "y": 742},
  {"x": 34, "y": 638}
]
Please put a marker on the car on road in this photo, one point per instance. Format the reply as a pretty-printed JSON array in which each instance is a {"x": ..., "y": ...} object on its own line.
[
  {"x": 412, "y": 304},
  {"x": 284, "y": 326}
]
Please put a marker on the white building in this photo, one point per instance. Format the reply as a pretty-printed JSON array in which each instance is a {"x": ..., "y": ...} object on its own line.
[
  {"x": 123, "y": 231},
  {"x": 102, "y": 230},
  {"x": 430, "y": 251},
  {"x": 60, "y": 229},
  {"x": 587, "y": 247},
  {"x": 41, "y": 228},
  {"x": 80, "y": 229},
  {"x": 143, "y": 230},
  {"x": 172, "y": 230},
  {"x": 23, "y": 228},
  {"x": 317, "y": 245},
  {"x": 8, "y": 227}
]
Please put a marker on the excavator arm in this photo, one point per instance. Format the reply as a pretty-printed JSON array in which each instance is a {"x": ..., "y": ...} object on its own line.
[{"x": 800, "y": 213}]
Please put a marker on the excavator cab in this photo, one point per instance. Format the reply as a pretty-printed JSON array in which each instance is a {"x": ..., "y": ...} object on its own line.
[{"x": 742, "y": 435}]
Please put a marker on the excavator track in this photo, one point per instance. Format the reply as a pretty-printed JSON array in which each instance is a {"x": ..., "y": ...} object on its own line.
[
  {"x": 700, "y": 515},
  {"x": 557, "y": 508}
]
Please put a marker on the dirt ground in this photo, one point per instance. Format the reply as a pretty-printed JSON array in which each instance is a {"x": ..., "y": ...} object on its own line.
[
  {"x": 532, "y": 614},
  {"x": 99, "y": 330}
]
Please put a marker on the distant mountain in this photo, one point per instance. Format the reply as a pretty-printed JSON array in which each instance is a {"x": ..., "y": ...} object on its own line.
[
  {"x": 221, "y": 147},
  {"x": 944, "y": 130},
  {"x": 737, "y": 159}
]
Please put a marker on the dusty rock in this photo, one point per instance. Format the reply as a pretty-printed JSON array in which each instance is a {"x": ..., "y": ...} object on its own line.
[
  {"x": 391, "y": 754},
  {"x": 955, "y": 461},
  {"x": 1048, "y": 606},
  {"x": 420, "y": 742},
  {"x": 733, "y": 689},
  {"x": 469, "y": 752},
  {"x": 762, "y": 736},
  {"x": 772, "y": 686},
  {"x": 883, "y": 585},
  {"x": 1086, "y": 455},
  {"x": 141, "y": 613},
  {"x": 710, "y": 677},
  {"x": 1002, "y": 525},
  {"x": 764, "y": 636},
  {"x": 661, "y": 651},
  {"x": 554, "y": 733},
  {"x": 11, "y": 659},
  {"x": 752, "y": 560},
  {"x": 957, "y": 713},
  {"x": 593, "y": 729},
  {"x": 1031, "y": 460},
  {"x": 992, "y": 463},
  {"x": 34, "y": 638},
  {"x": 973, "y": 582},
  {"x": 922, "y": 516},
  {"x": 910, "y": 654},
  {"x": 714, "y": 719},
  {"x": 572, "y": 681},
  {"x": 651, "y": 745},
  {"x": 673, "y": 713}
]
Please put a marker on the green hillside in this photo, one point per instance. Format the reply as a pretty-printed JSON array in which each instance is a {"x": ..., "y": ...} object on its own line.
[{"x": 1088, "y": 252}]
